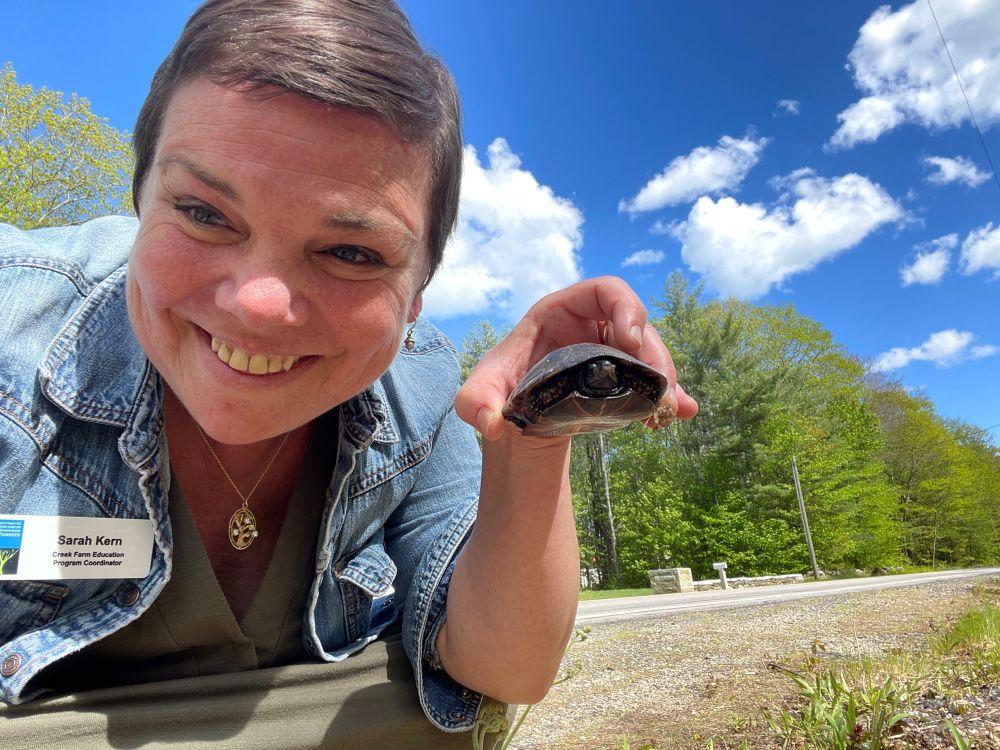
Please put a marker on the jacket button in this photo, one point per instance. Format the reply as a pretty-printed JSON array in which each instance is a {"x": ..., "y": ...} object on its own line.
[
  {"x": 457, "y": 715},
  {"x": 465, "y": 693},
  {"x": 10, "y": 665},
  {"x": 129, "y": 595}
]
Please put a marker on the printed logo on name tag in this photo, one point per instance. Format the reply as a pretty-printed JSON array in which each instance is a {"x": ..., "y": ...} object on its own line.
[
  {"x": 11, "y": 531},
  {"x": 41, "y": 548}
]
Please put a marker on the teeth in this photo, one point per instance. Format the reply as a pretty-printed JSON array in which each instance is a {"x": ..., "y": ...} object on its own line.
[
  {"x": 239, "y": 360},
  {"x": 258, "y": 364},
  {"x": 255, "y": 364}
]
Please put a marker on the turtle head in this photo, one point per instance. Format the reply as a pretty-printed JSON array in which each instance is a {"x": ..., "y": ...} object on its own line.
[{"x": 600, "y": 378}]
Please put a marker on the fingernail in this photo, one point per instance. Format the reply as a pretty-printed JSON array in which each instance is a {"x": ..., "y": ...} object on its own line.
[
  {"x": 636, "y": 332},
  {"x": 483, "y": 419}
]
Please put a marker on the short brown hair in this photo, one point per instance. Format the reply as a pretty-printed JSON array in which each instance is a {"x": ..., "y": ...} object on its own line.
[{"x": 359, "y": 54}]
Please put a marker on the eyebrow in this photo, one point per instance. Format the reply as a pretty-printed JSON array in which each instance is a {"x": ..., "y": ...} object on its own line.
[
  {"x": 200, "y": 174},
  {"x": 336, "y": 221},
  {"x": 368, "y": 224}
]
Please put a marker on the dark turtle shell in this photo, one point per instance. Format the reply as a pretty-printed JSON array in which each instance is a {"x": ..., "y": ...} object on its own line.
[{"x": 584, "y": 388}]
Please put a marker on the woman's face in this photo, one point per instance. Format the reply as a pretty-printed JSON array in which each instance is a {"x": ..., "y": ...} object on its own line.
[{"x": 290, "y": 232}]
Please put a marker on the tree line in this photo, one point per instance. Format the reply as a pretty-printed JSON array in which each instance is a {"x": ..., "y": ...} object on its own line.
[{"x": 886, "y": 480}]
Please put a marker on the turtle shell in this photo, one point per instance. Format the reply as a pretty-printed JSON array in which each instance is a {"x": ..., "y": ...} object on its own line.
[{"x": 584, "y": 388}]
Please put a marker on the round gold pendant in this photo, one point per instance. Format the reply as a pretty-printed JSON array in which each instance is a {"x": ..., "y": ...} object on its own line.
[{"x": 242, "y": 528}]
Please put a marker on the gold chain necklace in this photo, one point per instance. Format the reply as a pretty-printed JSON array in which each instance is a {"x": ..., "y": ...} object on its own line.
[{"x": 243, "y": 523}]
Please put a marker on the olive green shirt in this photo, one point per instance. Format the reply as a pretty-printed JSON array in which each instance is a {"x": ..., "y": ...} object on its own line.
[{"x": 189, "y": 630}]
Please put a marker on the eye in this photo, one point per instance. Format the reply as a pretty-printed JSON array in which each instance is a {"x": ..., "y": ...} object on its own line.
[
  {"x": 201, "y": 214},
  {"x": 354, "y": 255}
]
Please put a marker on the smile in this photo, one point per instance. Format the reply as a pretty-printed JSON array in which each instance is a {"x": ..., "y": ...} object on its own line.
[{"x": 253, "y": 363}]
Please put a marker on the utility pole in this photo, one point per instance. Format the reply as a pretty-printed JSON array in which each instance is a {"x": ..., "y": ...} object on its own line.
[{"x": 805, "y": 520}]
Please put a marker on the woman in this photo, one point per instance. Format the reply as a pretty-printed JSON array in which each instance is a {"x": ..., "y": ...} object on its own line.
[{"x": 240, "y": 382}]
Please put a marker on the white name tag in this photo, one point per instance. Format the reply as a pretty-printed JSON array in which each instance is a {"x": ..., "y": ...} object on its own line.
[{"x": 46, "y": 548}]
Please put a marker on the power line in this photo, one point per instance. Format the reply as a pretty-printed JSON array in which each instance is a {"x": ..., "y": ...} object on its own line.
[{"x": 964, "y": 95}]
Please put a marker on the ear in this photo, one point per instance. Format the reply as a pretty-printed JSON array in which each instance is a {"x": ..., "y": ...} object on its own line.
[{"x": 416, "y": 307}]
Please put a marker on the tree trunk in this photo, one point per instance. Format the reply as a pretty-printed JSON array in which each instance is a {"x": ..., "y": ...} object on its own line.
[{"x": 600, "y": 503}]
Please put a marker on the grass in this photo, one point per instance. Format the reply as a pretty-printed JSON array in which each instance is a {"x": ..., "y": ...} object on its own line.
[{"x": 588, "y": 594}]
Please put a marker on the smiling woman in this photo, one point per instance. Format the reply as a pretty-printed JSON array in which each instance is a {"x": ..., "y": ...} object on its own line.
[{"x": 228, "y": 373}]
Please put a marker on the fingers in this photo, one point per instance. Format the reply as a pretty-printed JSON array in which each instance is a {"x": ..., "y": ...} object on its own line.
[
  {"x": 624, "y": 310},
  {"x": 578, "y": 313},
  {"x": 481, "y": 398}
]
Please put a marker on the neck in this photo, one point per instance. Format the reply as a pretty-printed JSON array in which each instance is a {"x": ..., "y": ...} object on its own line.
[{"x": 245, "y": 463}]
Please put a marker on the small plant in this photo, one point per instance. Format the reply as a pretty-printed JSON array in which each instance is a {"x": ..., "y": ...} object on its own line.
[
  {"x": 960, "y": 742},
  {"x": 837, "y": 715},
  {"x": 492, "y": 719},
  {"x": 971, "y": 649}
]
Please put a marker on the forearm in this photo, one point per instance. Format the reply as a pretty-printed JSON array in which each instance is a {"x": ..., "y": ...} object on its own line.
[{"x": 513, "y": 596}]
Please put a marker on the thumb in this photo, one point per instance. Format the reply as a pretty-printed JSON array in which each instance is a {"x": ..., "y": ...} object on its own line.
[{"x": 480, "y": 402}]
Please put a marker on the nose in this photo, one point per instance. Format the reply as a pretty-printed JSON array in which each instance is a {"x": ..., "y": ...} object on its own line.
[{"x": 260, "y": 301}]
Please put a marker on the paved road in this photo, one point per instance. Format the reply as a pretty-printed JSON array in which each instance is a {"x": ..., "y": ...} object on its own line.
[{"x": 642, "y": 607}]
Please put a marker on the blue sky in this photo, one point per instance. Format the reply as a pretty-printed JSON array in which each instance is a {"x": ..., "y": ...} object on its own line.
[{"x": 599, "y": 131}]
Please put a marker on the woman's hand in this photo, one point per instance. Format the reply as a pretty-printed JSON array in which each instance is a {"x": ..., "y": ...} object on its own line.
[
  {"x": 602, "y": 310},
  {"x": 513, "y": 595}
]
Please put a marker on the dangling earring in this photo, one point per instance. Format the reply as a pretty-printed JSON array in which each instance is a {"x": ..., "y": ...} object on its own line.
[{"x": 408, "y": 341}]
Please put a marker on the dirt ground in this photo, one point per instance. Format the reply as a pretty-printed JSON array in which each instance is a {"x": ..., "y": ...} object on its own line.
[{"x": 676, "y": 681}]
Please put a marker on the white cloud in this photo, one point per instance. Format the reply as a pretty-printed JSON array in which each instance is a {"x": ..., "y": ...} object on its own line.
[
  {"x": 943, "y": 348},
  {"x": 644, "y": 258},
  {"x": 928, "y": 268},
  {"x": 707, "y": 170},
  {"x": 515, "y": 242},
  {"x": 864, "y": 121},
  {"x": 958, "y": 169},
  {"x": 662, "y": 227},
  {"x": 745, "y": 249},
  {"x": 944, "y": 242},
  {"x": 931, "y": 261},
  {"x": 981, "y": 250},
  {"x": 901, "y": 67},
  {"x": 787, "y": 107}
]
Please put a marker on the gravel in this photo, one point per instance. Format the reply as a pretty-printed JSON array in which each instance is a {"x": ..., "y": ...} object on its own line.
[{"x": 675, "y": 680}]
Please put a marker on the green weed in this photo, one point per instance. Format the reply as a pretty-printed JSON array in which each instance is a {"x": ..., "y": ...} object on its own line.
[
  {"x": 970, "y": 650},
  {"x": 960, "y": 742},
  {"x": 839, "y": 714}
]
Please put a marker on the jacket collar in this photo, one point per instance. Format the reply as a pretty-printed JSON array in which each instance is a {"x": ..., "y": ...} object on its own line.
[{"x": 96, "y": 371}]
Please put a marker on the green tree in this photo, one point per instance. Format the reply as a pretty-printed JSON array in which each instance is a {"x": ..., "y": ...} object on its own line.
[
  {"x": 946, "y": 478},
  {"x": 482, "y": 337},
  {"x": 59, "y": 163}
]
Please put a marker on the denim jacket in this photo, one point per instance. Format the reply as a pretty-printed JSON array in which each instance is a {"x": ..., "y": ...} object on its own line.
[{"x": 81, "y": 434}]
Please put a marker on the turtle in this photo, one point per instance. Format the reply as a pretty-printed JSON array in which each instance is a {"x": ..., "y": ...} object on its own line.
[{"x": 586, "y": 388}]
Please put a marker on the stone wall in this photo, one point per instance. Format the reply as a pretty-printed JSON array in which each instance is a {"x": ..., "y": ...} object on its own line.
[{"x": 748, "y": 582}]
